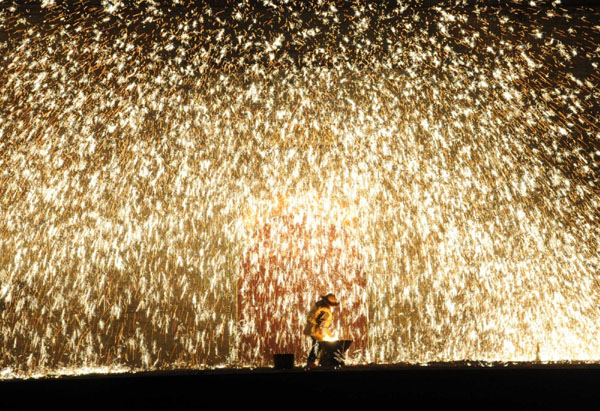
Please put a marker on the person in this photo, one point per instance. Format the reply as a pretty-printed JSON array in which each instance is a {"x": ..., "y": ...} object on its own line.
[{"x": 318, "y": 325}]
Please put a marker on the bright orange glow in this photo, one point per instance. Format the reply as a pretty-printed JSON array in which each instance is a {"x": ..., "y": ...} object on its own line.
[{"x": 299, "y": 247}]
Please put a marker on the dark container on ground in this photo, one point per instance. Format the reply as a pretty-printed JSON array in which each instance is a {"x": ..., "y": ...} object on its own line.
[
  {"x": 283, "y": 361},
  {"x": 333, "y": 353}
]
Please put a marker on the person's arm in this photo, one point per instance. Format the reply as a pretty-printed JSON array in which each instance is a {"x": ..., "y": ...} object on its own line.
[{"x": 322, "y": 319}]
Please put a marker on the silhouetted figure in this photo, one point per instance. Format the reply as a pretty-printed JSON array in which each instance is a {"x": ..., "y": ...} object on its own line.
[{"x": 318, "y": 322}]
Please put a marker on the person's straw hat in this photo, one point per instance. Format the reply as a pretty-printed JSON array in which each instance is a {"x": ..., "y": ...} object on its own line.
[{"x": 330, "y": 299}]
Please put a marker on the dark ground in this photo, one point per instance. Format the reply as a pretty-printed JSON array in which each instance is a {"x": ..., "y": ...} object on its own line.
[{"x": 481, "y": 386}]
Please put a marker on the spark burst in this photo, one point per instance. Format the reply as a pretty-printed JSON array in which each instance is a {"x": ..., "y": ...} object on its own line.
[{"x": 179, "y": 182}]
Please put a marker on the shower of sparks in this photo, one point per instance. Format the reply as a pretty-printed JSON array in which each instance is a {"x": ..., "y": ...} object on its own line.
[{"x": 179, "y": 183}]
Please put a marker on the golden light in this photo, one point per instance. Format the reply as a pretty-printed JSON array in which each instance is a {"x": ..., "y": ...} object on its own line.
[
  {"x": 179, "y": 183},
  {"x": 299, "y": 248}
]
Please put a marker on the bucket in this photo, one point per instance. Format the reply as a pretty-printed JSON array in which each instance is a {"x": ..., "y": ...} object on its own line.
[
  {"x": 333, "y": 353},
  {"x": 283, "y": 361}
]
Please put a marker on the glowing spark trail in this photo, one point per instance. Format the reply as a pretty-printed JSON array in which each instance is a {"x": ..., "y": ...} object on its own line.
[{"x": 179, "y": 181}]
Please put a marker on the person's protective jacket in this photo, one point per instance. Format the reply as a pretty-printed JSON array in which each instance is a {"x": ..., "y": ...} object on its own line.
[{"x": 318, "y": 322}]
